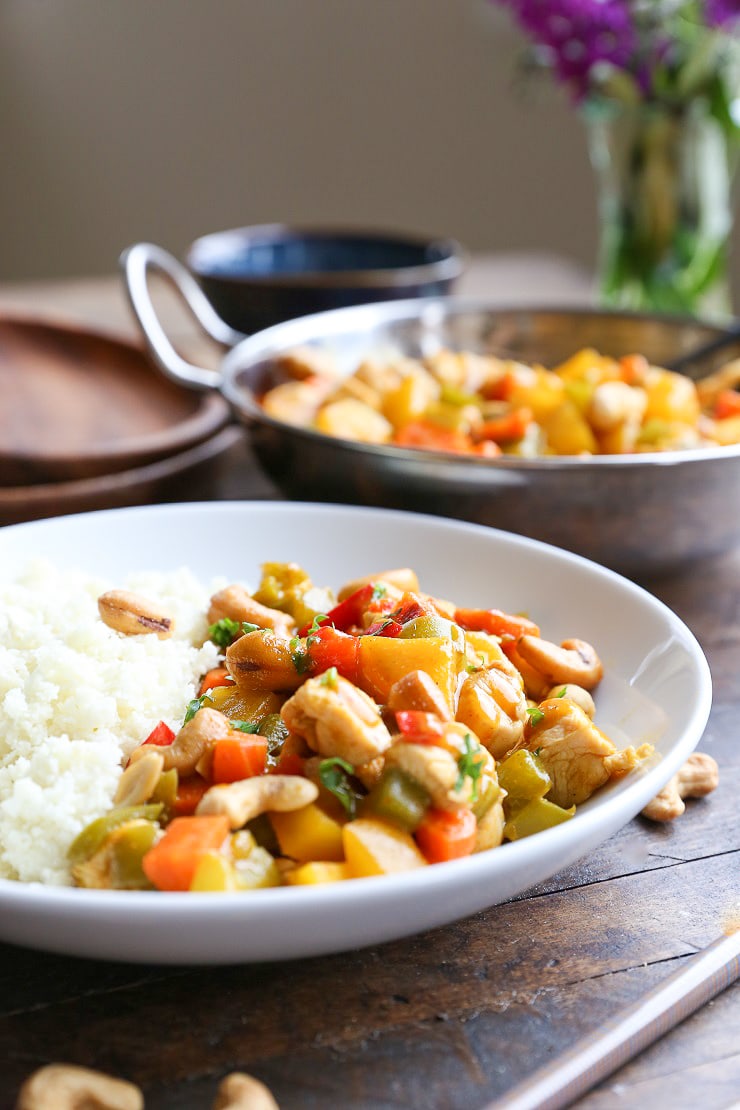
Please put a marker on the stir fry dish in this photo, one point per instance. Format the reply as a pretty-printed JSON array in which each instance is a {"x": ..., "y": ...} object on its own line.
[
  {"x": 479, "y": 405},
  {"x": 374, "y": 732}
]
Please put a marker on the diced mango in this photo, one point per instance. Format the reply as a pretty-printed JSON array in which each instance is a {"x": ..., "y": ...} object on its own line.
[
  {"x": 539, "y": 391},
  {"x": 671, "y": 397},
  {"x": 410, "y": 399},
  {"x": 568, "y": 433},
  {"x": 374, "y": 848},
  {"x": 587, "y": 365},
  {"x": 311, "y": 874},
  {"x": 213, "y": 874},
  {"x": 308, "y": 834},
  {"x": 727, "y": 431},
  {"x": 383, "y": 661}
]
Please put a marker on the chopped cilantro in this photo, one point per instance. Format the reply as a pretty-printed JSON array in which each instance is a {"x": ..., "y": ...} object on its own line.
[
  {"x": 195, "y": 705},
  {"x": 563, "y": 692},
  {"x": 470, "y": 766},
  {"x": 329, "y": 678},
  {"x": 245, "y": 726},
  {"x": 334, "y": 776},
  {"x": 223, "y": 631},
  {"x": 379, "y": 591},
  {"x": 247, "y": 628},
  {"x": 535, "y": 714}
]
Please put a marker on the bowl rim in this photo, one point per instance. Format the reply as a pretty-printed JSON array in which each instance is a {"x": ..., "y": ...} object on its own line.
[
  {"x": 246, "y": 354},
  {"x": 447, "y": 268}
]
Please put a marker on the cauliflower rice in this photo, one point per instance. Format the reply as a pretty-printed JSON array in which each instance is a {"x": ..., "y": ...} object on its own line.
[{"x": 76, "y": 697}]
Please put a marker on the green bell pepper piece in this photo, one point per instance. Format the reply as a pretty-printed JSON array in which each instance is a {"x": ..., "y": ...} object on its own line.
[
  {"x": 524, "y": 779},
  {"x": 398, "y": 798},
  {"x": 535, "y": 817}
]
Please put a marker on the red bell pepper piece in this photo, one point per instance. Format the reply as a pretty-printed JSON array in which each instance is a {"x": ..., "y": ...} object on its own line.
[
  {"x": 727, "y": 404},
  {"x": 347, "y": 614},
  {"x": 386, "y": 627},
  {"x": 161, "y": 735},
  {"x": 495, "y": 623},
  {"x": 419, "y": 727},
  {"x": 189, "y": 792},
  {"x": 328, "y": 647},
  {"x": 508, "y": 428},
  {"x": 410, "y": 607}
]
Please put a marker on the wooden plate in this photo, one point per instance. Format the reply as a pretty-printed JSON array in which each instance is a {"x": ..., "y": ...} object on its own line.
[
  {"x": 187, "y": 475},
  {"x": 77, "y": 404}
]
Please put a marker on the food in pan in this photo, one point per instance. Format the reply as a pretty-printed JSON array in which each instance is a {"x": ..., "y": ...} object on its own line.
[
  {"x": 480, "y": 405},
  {"x": 328, "y": 738}
]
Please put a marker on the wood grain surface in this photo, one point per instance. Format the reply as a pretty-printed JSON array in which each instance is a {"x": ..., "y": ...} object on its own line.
[{"x": 453, "y": 1018}]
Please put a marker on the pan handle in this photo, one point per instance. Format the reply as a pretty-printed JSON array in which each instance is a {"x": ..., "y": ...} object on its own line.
[{"x": 136, "y": 262}]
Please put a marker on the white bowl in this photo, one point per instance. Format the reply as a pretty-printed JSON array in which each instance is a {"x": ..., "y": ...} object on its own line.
[{"x": 657, "y": 688}]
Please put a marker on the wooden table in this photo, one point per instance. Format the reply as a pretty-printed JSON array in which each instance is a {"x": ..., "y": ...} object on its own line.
[{"x": 455, "y": 1017}]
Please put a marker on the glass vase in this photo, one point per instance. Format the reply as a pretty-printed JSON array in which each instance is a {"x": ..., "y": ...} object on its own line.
[{"x": 664, "y": 177}]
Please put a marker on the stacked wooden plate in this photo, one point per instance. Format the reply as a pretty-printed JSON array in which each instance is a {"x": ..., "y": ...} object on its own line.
[{"x": 86, "y": 422}]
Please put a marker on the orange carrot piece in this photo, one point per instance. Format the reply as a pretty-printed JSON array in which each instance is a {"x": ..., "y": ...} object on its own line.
[
  {"x": 446, "y": 834},
  {"x": 239, "y": 757},
  {"x": 495, "y": 622},
  {"x": 421, "y": 433},
  {"x": 171, "y": 863},
  {"x": 218, "y": 676},
  {"x": 508, "y": 428}
]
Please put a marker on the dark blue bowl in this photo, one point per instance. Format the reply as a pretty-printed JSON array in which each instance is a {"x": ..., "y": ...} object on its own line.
[{"x": 258, "y": 276}]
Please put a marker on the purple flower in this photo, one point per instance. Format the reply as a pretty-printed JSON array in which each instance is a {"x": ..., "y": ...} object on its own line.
[
  {"x": 578, "y": 34},
  {"x": 721, "y": 13}
]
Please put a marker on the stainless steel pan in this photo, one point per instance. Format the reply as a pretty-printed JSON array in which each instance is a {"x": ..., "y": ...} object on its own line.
[{"x": 641, "y": 514}]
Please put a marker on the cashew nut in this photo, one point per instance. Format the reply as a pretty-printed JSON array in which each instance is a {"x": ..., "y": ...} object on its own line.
[
  {"x": 698, "y": 776},
  {"x": 133, "y": 615},
  {"x": 242, "y": 801},
  {"x": 235, "y": 603},
  {"x": 239, "y": 1091},
  {"x": 262, "y": 661},
  {"x": 416, "y": 690},
  {"x": 574, "y": 661},
  {"x": 576, "y": 694},
  {"x": 65, "y": 1087},
  {"x": 403, "y": 579},
  {"x": 136, "y": 784}
]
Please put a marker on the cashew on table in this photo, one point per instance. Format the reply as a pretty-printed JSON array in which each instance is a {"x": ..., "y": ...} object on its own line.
[
  {"x": 698, "y": 776},
  {"x": 66, "y": 1087}
]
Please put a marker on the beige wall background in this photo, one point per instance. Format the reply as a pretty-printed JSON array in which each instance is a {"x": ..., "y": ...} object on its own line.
[{"x": 123, "y": 120}]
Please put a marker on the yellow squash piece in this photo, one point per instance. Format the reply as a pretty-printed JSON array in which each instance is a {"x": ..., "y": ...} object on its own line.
[
  {"x": 383, "y": 661},
  {"x": 568, "y": 433},
  {"x": 308, "y": 834},
  {"x": 313, "y": 874},
  {"x": 374, "y": 848},
  {"x": 214, "y": 874}
]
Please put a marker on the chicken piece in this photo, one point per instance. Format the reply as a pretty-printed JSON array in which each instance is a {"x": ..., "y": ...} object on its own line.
[
  {"x": 493, "y": 705},
  {"x": 454, "y": 773},
  {"x": 296, "y": 402},
  {"x": 337, "y": 719},
  {"x": 490, "y": 832},
  {"x": 577, "y": 756}
]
